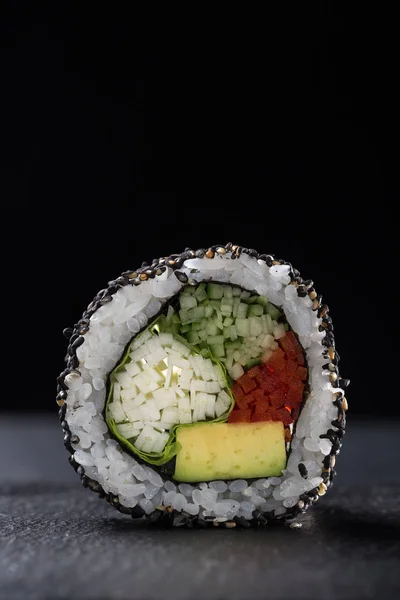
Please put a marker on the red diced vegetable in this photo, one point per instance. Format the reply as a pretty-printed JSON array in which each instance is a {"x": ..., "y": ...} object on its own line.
[
  {"x": 289, "y": 344},
  {"x": 247, "y": 383},
  {"x": 301, "y": 373},
  {"x": 237, "y": 391},
  {"x": 277, "y": 398},
  {"x": 261, "y": 414},
  {"x": 277, "y": 361},
  {"x": 243, "y": 401},
  {"x": 253, "y": 372},
  {"x": 258, "y": 396},
  {"x": 240, "y": 416},
  {"x": 285, "y": 416}
]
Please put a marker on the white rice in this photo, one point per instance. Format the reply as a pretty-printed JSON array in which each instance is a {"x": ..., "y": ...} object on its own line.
[{"x": 111, "y": 328}]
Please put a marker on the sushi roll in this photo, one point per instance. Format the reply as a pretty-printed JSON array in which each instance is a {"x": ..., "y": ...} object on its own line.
[{"x": 203, "y": 389}]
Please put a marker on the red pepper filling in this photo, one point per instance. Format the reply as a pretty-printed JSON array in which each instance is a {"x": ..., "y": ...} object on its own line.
[{"x": 272, "y": 391}]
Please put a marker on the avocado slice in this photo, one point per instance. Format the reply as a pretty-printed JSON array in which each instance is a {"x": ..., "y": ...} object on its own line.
[{"x": 211, "y": 451}]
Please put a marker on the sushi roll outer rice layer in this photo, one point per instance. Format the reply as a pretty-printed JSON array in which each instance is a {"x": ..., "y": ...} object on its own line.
[{"x": 126, "y": 308}]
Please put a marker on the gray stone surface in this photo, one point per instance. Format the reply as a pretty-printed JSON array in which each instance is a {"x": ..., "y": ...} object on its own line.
[{"x": 58, "y": 540}]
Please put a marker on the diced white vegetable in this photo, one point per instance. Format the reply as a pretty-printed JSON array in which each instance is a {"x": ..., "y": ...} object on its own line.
[
  {"x": 180, "y": 348},
  {"x": 170, "y": 415},
  {"x": 132, "y": 369},
  {"x": 222, "y": 404},
  {"x": 147, "y": 439},
  {"x": 133, "y": 414},
  {"x": 160, "y": 442},
  {"x": 164, "y": 397},
  {"x": 128, "y": 430},
  {"x": 192, "y": 395},
  {"x": 150, "y": 411},
  {"x": 185, "y": 412},
  {"x": 201, "y": 406},
  {"x": 166, "y": 339},
  {"x": 116, "y": 411},
  {"x": 168, "y": 376},
  {"x": 156, "y": 357},
  {"x": 279, "y": 331},
  {"x": 117, "y": 391},
  {"x": 236, "y": 371},
  {"x": 210, "y": 408}
]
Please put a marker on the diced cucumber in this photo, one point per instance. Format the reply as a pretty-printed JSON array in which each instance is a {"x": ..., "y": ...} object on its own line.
[
  {"x": 201, "y": 295},
  {"x": 255, "y": 326},
  {"x": 211, "y": 327},
  {"x": 197, "y": 325},
  {"x": 273, "y": 311},
  {"x": 252, "y": 363},
  {"x": 236, "y": 302},
  {"x": 215, "y": 340},
  {"x": 255, "y": 310},
  {"x": 252, "y": 299},
  {"x": 186, "y": 328},
  {"x": 200, "y": 286},
  {"x": 244, "y": 294},
  {"x": 227, "y": 332},
  {"x": 227, "y": 291},
  {"x": 208, "y": 311},
  {"x": 228, "y": 321},
  {"x": 233, "y": 333},
  {"x": 192, "y": 337},
  {"x": 242, "y": 327},
  {"x": 197, "y": 313},
  {"x": 232, "y": 345},
  {"x": 189, "y": 289},
  {"x": 236, "y": 291},
  {"x": 218, "y": 350},
  {"x": 184, "y": 316},
  {"x": 215, "y": 291},
  {"x": 242, "y": 310},
  {"x": 188, "y": 301},
  {"x": 263, "y": 300},
  {"x": 203, "y": 335},
  {"x": 215, "y": 304}
]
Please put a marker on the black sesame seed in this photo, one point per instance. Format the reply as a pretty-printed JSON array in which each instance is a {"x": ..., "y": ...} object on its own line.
[
  {"x": 75, "y": 439},
  {"x": 145, "y": 264},
  {"x": 301, "y": 291},
  {"x": 62, "y": 411},
  {"x": 344, "y": 383},
  {"x": 200, "y": 253},
  {"x": 242, "y": 522},
  {"x": 80, "y": 470},
  {"x": 78, "y": 342},
  {"x": 67, "y": 332},
  {"x": 182, "y": 277},
  {"x": 303, "y": 470}
]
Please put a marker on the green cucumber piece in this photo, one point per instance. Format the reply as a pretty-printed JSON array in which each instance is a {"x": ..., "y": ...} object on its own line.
[
  {"x": 252, "y": 363},
  {"x": 273, "y": 311},
  {"x": 217, "y": 350},
  {"x": 242, "y": 327},
  {"x": 215, "y": 340},
  {"x": 193, "y": 338},
  {"x": 263, "y": 300},
  {"x": 215, "y": 291},
  {"x": 255, "y": 310},
  {"x": 187, "y": 301},
  {"x": 242, "y": 310}
]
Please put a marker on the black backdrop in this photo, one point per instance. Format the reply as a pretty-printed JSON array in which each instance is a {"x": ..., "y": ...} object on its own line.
[{"x": 131, "y": 139}]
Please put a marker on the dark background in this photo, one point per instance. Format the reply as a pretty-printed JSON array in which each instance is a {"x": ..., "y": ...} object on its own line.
[{"x": 131, "y": 137}]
